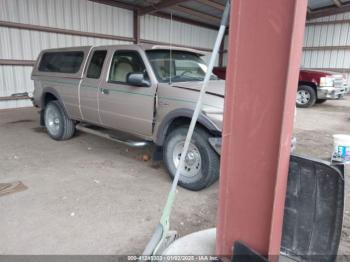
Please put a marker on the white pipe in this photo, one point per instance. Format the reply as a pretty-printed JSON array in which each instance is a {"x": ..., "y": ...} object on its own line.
[
  {"x": 198, "y": 105},
  {"x": 159, "y": 235}
]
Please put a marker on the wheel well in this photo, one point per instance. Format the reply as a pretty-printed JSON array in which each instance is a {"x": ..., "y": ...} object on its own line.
[
  {"x": 48, "y": 97},
  {"x": 310, "y": 84},
  {"x": 181, "y": 121},
  {"x": 45, "y": 100}
]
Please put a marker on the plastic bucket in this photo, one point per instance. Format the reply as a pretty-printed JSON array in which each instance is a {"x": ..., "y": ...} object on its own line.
[{"x": 341, "y": 148}]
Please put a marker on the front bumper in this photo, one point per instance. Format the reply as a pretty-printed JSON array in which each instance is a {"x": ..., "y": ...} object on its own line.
[
  {"x": 330, "y": 92},
  {"x": 216, "y": 143}
]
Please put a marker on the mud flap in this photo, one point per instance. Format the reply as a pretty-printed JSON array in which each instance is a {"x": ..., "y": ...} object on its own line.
[
  {"x": 313, "y": 210},
  {"x": 42, "y": 119}
]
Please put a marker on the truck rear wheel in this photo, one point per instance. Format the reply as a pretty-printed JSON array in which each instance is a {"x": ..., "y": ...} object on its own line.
[
  {"x": 306, "y": 96},
  {"x": 201, "y": 163},
  {"x": 57, "y": 123}
]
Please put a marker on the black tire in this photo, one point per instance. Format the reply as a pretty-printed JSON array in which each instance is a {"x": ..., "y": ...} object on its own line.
[
  {"x": 308, "y": 96},
  {"x": 208, "y": 172},
  {"x": 320, "y": 101},
  {"x": 64, "y": 127}
]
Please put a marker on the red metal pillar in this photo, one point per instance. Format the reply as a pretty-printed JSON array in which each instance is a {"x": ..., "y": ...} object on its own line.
[{"x": 265, "y": 43}]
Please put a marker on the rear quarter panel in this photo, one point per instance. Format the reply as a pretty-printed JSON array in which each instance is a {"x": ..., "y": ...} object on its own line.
[
  {"x": 64, "y": 89},
  {"x": 63, "y": 85}
]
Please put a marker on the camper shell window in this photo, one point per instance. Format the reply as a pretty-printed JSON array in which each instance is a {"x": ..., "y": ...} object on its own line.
[{"x": 61, "y": 62}]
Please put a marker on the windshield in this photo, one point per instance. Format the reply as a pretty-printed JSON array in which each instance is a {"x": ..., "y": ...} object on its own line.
[{"x": 184, "y": 66}]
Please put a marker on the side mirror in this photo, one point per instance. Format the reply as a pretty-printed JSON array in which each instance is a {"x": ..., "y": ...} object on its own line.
[{"x": 138, "y": 79}]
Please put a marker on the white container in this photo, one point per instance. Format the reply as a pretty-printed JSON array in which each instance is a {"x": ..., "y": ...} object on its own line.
[{"x": 341, "y": 151}]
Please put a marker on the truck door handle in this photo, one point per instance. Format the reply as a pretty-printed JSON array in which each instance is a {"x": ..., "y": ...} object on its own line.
[{"x": 104, "y": 91}]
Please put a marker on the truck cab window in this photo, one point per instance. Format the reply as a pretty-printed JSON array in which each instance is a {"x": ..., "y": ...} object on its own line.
[
  {"x": 125, "y": 63},
  {"x": 177, "y": 66},
  {"x": 96, "y": 64}
]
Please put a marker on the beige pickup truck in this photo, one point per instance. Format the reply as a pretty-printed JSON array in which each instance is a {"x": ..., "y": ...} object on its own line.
[{"x": 134, "y": 94}]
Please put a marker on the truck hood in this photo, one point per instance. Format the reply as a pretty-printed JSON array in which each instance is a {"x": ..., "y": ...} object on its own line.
[
  {"x": 323, "y": 73},
  {"x": 320, "y": 73},
  {"x": 215, "y": 87}
]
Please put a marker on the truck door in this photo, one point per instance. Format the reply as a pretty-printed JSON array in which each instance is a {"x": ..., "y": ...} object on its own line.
[
  {"x": 123, "y": 106},
  {"x": 88, "y": 91}
]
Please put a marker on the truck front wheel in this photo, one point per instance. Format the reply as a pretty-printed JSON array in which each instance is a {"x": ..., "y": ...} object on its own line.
[
  {"x": 57, "y": 123},
  {"x": 306, "y": 96},
  {"x": 202, "y": 163}
]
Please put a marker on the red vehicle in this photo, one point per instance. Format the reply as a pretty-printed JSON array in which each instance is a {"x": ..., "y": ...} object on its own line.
[{"x": 314, "y": 86}]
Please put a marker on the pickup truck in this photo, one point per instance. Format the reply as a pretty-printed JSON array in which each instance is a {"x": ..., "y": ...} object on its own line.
[
  {"x": 314, "y": 86},
  {"x": 134, "y": 94}
]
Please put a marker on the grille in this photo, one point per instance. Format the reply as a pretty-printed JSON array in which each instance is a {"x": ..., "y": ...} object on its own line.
[{"x": 339, "y": 82}]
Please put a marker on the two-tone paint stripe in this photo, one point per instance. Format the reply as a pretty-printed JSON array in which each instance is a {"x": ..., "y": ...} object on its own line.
[
  {"x": 196, "y": 90},
  {"x": 113, "y": 90}
]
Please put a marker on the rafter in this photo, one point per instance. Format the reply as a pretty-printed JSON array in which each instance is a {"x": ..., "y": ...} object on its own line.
[
  {"x": 212, "y": 4},
  {"x": 157, "y": 12},
  {"x": 116, "y": 3},
  {"x": 329, "y": 11},
  {"x": 196, "y": 14},
  {"x": 160, "y": 6}
]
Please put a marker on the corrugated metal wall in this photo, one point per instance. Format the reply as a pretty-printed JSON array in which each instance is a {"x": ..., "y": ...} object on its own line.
[
  {"x": 327, "y": 44},
  {"x": 159, "y": 29},
  {"x": 22, "y": 44},
  {"x": 79, "y": 15}
]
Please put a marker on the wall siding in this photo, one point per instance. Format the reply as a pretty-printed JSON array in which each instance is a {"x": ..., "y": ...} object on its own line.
[
  {"x": 27, "y": 44},
  {"x": 162, "y": 30},
  {"x": 21, "y": 44},
  {"x": 325, "y": 35},
  {"x": 79, "y": 15},
  {"x": 330, "y": 36},
  {"x": 159, "y": 29}
]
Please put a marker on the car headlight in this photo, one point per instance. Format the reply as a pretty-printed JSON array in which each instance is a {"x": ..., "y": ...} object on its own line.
[{"x": 327, "y": 81}]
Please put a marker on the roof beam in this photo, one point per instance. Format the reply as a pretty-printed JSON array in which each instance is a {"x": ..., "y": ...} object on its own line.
[
  {"x": 212, "y": 4},
  {"x": 161, "y": 5},
  {"x": 156, "y": 12},
  {"x": 329, "y": 11},
  {"x": 197, "y": 14}
]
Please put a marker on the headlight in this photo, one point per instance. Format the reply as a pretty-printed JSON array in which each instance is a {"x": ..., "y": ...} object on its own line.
[{"x": 327, "y": 81}]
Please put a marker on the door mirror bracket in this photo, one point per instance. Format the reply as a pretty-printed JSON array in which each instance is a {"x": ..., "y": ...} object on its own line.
[{"x": 138, "y": 79}]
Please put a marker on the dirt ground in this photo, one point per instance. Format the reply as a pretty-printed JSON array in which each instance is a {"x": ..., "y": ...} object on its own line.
[
  {"x": 92, "y": 196},
  {"x": 87, "y": 195}
]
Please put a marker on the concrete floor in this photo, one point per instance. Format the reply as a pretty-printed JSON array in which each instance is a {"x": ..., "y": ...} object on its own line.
[{"x": 91, "y": 196}]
